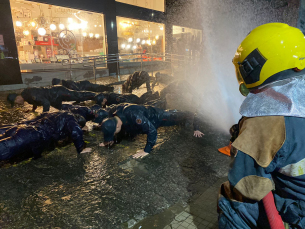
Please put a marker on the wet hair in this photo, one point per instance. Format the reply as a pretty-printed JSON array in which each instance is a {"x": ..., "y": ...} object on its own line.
[
  {"x": 55, "y": 81},
  {"x": 11, "y": 98},
  {"x": 108, "y": 128},
  {"x": 99, "y": 98},
  {"x": 80, "y": 120},
  {"x": 102, "y": 114}
]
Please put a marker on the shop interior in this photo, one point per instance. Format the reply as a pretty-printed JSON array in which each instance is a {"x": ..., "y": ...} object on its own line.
[
  {"x": 48, "y": 34},
  {"x": 137, "y": 36},
  {"x": 186, "y": 41}
]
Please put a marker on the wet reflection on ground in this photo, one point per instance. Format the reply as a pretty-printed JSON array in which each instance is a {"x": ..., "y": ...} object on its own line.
[{"x": 106, "y": 188}]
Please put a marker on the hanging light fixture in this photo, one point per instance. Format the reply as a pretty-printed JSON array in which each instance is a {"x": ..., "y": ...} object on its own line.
[
  {"x": 143, "y": 42},
  {"x": 157, "y": 37},
  {"x": 91, "y": 35},
  {"x": 52, "y": 26},
  {"x": 154, "y": 42},
  {"x": 128, "y": 46},
  {"x": 134, "y": 47},
  {"x": 26, "y": 32},
  {"x": 97, "y": 35},
  {"x": 84, "y": 34},
  {"x": 130, "y": 39},
  {"x": 32, "y": 24},
  {"x": 138, "y": 40},
  {"x": 123, "y": 46},
  {"x": 42, "y": 31},
  {"x": 18, "y": 23},
  {"x": 61, "y": 26},
  {"x": 70, "y": 20}
]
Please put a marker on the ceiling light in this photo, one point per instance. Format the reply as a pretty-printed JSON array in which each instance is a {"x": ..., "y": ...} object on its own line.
[
  {"x": 123, "y": 46},
  {"x": 84, "y": 34},
  {"x": 26, "y": 32},
  {"x": 52, "y": 27},
  {"x": 143, "y": 42},
  {"x": 128, "y": 46},
  {"x": 42, "y": 31},
  {"x": 97, "y": 35},
  {"x": 19, "y": 23},
  {"x": 90, "y": 34},
  {"x": 130, "y": 39},
  {"x": 157, "y": 37},
  {"x": 70, "y": 20},
  {"x": 138, "y": 40},
  {"x": 61, "y": 26},
  {"x": 33, "y": 24},
  {"x": 134, "y": 47}
]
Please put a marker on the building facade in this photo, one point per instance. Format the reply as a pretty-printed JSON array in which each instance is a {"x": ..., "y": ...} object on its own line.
[{"x": 41, "y": 38}]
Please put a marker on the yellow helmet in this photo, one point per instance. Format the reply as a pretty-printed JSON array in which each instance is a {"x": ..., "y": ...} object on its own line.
[{"x": 269, "y": 53}]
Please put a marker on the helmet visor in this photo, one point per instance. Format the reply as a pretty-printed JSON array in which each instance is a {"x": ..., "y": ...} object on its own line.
[{"x": 242, "y": 87}]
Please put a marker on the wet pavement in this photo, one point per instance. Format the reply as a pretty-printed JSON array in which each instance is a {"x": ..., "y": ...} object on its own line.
[{"x": 174, "y": 187}]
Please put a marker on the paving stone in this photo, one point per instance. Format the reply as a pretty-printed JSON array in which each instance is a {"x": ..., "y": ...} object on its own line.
[
  {"x": 185, "y": 224},
  {"x": 191, "y": 226}
]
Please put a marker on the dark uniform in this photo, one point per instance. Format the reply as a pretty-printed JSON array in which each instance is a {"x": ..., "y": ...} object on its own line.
[
  {"x": 53, "y": 96},
  {"x": 178, "y": 87},
  {"x": 83, "y": 85},
  {"x": 135, "y": 81},
  {"x": 114, "y": 98},
  {"x": 146, "y": 120},
  {"x": 86, "y": 112},
  {"x": 162, "y": 78},
  {"x": 36, "y": 135}
]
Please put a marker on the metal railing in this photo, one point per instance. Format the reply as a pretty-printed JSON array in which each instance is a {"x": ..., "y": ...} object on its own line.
[{"x": 95, "y": 63}]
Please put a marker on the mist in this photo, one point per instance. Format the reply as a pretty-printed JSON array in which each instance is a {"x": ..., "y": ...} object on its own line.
[{"x": 225, "y": 24}]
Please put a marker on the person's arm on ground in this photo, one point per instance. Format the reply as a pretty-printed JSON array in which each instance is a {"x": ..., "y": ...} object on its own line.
[
  {"x": 149, "y": 129},
  {"x": 197, "y": 132},
  {"x": 76, "y": 134}
]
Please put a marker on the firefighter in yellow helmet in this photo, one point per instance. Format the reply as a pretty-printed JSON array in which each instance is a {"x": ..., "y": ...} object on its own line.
[{"x": 266, "y": 182}]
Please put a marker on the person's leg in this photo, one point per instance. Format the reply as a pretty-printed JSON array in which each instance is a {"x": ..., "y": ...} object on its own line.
[
  {"x": 21, "y": 141},
  {"x": 174, "y": 117},
  {"x": 79, "y": 96}
]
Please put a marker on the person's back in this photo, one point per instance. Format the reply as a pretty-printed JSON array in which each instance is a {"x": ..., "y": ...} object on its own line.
[
  {"x": 135, "y": 81},
  {"x": 84, "y": 111}
]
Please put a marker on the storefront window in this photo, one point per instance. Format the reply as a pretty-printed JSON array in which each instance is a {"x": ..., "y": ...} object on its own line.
[
  {"x": 186, "y": 41},
  {"x": 150, "y": 4},
  {"x": 46, "y": 34},
  {"x": 135, "y": 36}
]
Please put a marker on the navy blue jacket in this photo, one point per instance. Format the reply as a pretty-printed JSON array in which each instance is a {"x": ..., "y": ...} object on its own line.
[
  {"x": 53, "y": 96},
  {"x": 86, "y": 112},
  {"x": 139, "y": 119},
  {"x": 34, "y": 136},
  {"x": 85, "y": 85}
]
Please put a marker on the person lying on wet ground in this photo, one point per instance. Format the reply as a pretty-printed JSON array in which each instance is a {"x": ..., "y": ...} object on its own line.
[
  {"x": 135, "y": 119},
  {"x": 178, "y": 88},
  {"x": 110, "y": 98},
  {"x": 136, "y": 80},
  {"x": 49, "y": 96},
  {"x": 162, "y": 78},
  {"x": 83, "y": 85},
  {"x": 86, "y": 112},
  {"x": 43, "y": 133}
]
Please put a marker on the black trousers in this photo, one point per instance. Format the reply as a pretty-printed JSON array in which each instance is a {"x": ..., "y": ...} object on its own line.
[
  {"x": 23, "y": 139},
  {"x": 174, "y": 117}
]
